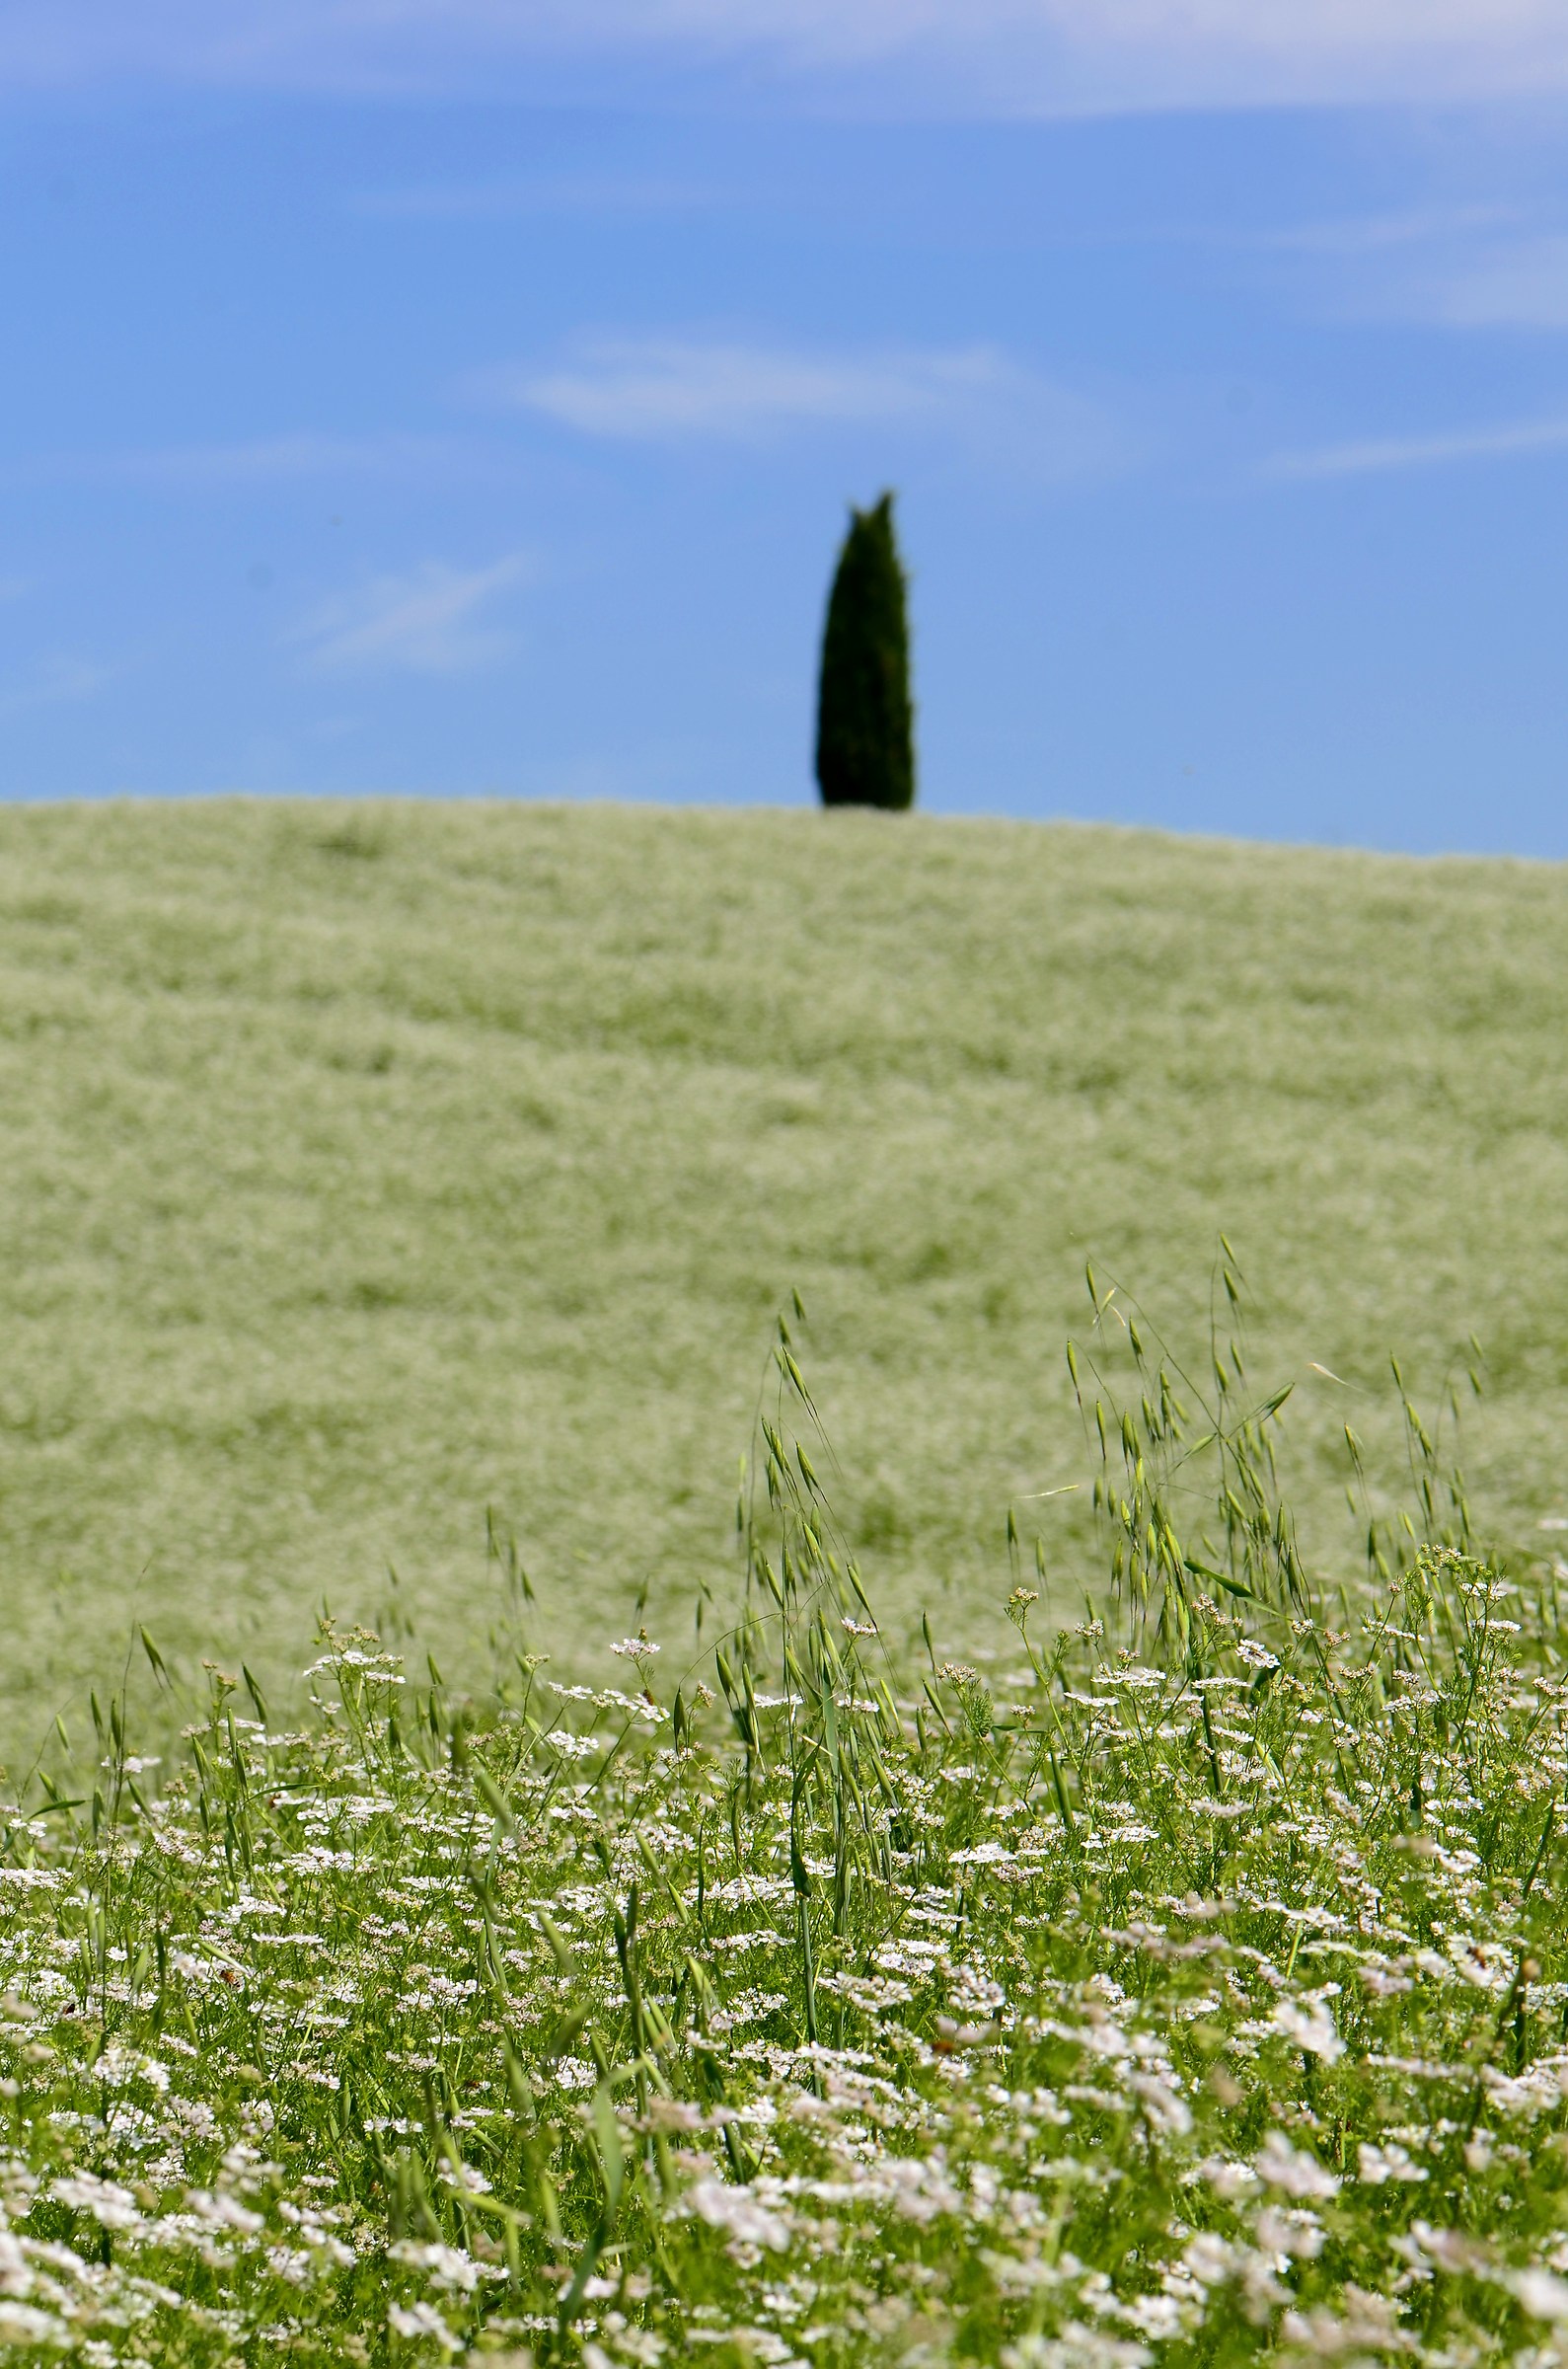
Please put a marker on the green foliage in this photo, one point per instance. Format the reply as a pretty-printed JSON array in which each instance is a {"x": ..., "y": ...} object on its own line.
[
  {"x": 865, "y": 720},
  {"x": 1195, "y": 1996}
]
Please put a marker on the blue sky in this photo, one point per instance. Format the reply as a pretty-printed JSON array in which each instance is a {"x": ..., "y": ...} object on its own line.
[{"x": 465, "y": 395}]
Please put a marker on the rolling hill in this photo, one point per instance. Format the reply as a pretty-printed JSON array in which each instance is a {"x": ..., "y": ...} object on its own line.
[{"x": 367, "y": 1167}]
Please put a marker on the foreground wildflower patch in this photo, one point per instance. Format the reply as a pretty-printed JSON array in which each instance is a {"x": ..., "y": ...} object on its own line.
[
  {"x": 1136, "y": 2013},
  {"x": 1193, "y": 2001}
]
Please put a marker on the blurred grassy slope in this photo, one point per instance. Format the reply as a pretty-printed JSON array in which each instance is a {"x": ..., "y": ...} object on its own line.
[{"x": 364, "y": 1165}]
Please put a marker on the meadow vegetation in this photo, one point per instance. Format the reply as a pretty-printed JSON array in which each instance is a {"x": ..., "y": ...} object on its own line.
[
  {"x": 369, "y": 1167},
  {"x": 1189, "y": 1990}
]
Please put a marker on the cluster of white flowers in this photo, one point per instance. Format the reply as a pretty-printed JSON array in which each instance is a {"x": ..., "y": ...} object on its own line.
[{"x": 1187, "y": 2012}]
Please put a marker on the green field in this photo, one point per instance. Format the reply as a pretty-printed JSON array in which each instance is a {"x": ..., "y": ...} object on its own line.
[
  {"x": 1191, "y": 1995},
  {"x": 367, "y": 1165}
]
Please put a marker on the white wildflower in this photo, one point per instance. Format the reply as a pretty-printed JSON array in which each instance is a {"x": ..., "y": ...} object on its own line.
[
  {"x": 421, "y": 2319},
  {"x": 1449, "y": 2248},
  {"x": 110, "y": 2206},
  {"x": 1294, "y": 2173},
  {"x": 1228, "y": 2179},
  {"x": 1156, "y": 2316},
  {"x": 642, "y": 2345},
  {"x": 1210, "y": 2260},
  {"x": 1379, "y": 2165},
  {"x": 872, "y": 1993},
  {"x": 21, "y": 2323},
  {"x": 449, "y": 2266},
  {"x": 912, "y": 1956},
  {"x": 920, "y": 2188},
  {"x": 291, "y": 2263},
  {"x": 1077, "y": 2347},
  {"x": 1542, "y": 2294},
  {"x": 1168, "y": 2112},
  {"x": 118, "y": 2065},
  {"x": 222, "y": 2211},
  {"x": 1291, "y": 2232},
  {"x": 1310, "y": 2026},
  {"x": 723, "y": 2204},
  {"x": 1371, "y": 2324}
]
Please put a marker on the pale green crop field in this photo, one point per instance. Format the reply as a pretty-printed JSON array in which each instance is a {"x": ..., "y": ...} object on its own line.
[{"x": 366, "y": 1167}]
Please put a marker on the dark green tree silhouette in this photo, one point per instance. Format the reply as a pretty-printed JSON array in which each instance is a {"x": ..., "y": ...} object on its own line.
[{"x": 865, "y": 720}]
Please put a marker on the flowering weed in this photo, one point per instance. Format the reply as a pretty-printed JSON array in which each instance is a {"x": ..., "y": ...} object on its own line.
[{"x": 1190, "y": 1999}]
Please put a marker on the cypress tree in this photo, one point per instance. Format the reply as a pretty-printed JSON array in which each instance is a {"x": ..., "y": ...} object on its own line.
[{"x": 865, "y": 724}]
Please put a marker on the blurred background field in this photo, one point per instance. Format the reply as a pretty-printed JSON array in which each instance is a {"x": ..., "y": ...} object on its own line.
[{"x": 368, "y": 1166}]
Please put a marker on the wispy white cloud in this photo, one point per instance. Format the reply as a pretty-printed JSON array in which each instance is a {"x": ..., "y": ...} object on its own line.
[
  {"x": 1419, "y": 228},
  {"x": 1477, "y": 268},
  {"x": 1507, "y": 283},
  {"x": 1483, "y": 267},
  {"x": 706, "y": 390},
  {"x": 1013, "y": 56},
  {"x": 1382, "y": 455},
  {"x": 657, "y": 388},
  {"x": 435, "y": 618},
  {"x": 56, "y": 683}
]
